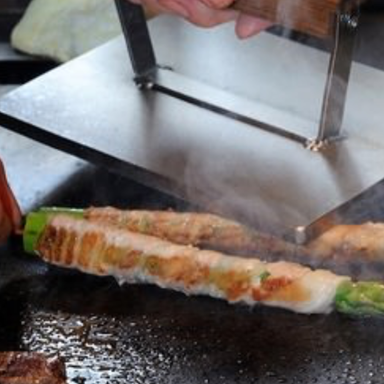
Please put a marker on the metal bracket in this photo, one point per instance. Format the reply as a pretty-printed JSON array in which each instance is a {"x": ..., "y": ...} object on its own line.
[
  {"x": 338, "y": 77},
  {"x": 139, "y": 44},
  {"x": 143, "y": 60}
]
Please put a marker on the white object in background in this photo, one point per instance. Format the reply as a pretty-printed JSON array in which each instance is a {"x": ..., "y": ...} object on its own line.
[{"x": 64, "y": 29}]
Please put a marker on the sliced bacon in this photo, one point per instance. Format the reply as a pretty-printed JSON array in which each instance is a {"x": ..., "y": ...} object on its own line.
[
  {"x": 198, "y": 229},
  {"x": 351, "y": 242},
  {"x": 97, "y": 248}
]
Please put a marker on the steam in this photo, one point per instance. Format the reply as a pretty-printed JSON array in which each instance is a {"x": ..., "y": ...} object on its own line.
[{"x": 212, "y": 185}]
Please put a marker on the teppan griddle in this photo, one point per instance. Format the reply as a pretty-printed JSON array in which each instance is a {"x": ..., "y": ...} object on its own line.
[
  {"x": 141, "y": 334},
  {"x": 109, "y": 334}
]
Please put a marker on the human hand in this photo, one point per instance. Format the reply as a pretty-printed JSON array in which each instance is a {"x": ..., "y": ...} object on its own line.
[
  {"x": 10, "y": 216},
  {"x": 208, "y": 13}
]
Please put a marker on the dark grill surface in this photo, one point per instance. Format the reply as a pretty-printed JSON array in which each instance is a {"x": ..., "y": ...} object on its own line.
[
  {"x": 138, "y": 334},
  {"x": 142, "y": 334}
]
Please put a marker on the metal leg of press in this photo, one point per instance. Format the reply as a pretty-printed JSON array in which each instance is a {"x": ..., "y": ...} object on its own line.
[
  {"x": 138, "y": 40},
  {"x": 338, "y": 78},
  {"x": 143, "y": 61}
]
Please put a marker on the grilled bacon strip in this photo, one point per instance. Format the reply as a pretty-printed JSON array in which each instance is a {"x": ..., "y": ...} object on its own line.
[
  {"x": 356, "y": 250},
  {"x": 96, "y": 248},
  {"x": 63, "y": 237},
  {"x": 30, "y": 368},
  {"x": 349, "y": 242},
  {"x": 202, "y": 230},
  {"x": 340, "y": 243}
]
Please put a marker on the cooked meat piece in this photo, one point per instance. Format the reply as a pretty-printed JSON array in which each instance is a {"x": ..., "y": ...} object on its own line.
[
  {"x": 198, "y": 229},
  {"x": 97, "y": 248},
  {"x": 355, "y": 250},
  {"x": 351, "y": 242},
  {"x": 30, "y": 368}
]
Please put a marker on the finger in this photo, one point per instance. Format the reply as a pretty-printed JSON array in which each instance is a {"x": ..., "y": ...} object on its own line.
[
  {"x": 8, "y": 202},
  {"x": 166, "y": 6},
  {"x": 175, "y": 7},
  {"x": 152, "y": 6},
  {"x": 247, "y": 26},
  {"x": 218, "y": 4},
  {"x": 199, "y": 13},
  {"x": 203, "y": 16}
]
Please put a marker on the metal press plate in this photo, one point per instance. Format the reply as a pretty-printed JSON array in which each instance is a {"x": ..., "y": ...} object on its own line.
[{"x": 90, "y": 108}]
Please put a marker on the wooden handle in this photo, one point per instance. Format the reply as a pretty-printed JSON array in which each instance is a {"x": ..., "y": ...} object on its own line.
[{"x": 313, "y": 17}]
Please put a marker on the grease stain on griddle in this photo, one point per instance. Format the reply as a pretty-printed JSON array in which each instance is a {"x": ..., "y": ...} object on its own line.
[{"x": 98, "y": 349}]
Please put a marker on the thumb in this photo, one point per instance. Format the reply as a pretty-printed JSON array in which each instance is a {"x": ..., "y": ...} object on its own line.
[
  {"x": 218, "y": 4},
  {"x": 247, "y": 26}
]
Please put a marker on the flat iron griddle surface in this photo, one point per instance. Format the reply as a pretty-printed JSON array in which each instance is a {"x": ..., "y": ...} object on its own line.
[{"x": 141, "y": 334}]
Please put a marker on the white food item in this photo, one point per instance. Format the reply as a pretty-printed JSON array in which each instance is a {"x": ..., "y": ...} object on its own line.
[
  {"x": 321, "y": 287},
  {"x": 137, "y": 258},
  {"x": 64, "y": 29},
  {"x": 350, "y": 242}
]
